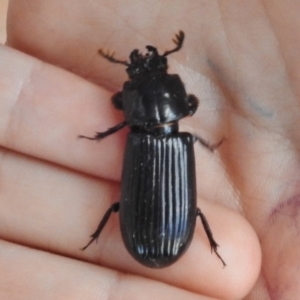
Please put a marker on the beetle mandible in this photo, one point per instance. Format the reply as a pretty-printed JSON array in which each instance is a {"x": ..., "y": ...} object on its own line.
[{"x": 157, "y": 204}]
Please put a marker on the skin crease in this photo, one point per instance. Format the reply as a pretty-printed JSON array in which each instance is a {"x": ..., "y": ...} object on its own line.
[{"x": 240, "y": 58}]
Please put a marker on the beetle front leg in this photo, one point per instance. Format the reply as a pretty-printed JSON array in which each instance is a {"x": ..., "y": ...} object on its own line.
[
  {"x": 193, "y": 102},
  {"x": 207, "y": 144},
  {"x": 117, "y": 100},
  {"x": 114, "y": 208},
  {"x": 212, "y": 242}
]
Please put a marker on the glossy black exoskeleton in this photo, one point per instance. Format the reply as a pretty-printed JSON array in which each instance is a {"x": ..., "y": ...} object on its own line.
[{"x": 157, "y": 205}]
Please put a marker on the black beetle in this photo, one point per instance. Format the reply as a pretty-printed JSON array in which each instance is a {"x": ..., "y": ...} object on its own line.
[{"x": 157, "y": 205}]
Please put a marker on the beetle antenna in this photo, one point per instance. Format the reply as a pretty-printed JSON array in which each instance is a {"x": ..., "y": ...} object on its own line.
[
  {"x": 110, "y": 57},
  {"x": 178, "y": 41}
]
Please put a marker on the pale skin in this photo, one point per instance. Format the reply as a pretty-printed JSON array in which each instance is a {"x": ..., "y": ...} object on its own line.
[{"x": 240, "y": 58}]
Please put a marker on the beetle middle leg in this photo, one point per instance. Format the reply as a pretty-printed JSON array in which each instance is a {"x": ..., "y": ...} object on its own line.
[
  {"x": 212, "y": 242},
  {"x": 109, "y": 131},
  {"x": 207, "y": 144},
  {"x": 114, "y": 208}
]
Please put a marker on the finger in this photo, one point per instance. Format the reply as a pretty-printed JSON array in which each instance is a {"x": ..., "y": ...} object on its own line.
[
  {"x": 57, "y": 209},
  {"x": 32, "y": 274},
  {"x": 43, "y": 110}
]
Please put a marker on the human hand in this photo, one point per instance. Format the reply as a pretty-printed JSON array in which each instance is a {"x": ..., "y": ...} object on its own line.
[{"x": 56, "y": 188}]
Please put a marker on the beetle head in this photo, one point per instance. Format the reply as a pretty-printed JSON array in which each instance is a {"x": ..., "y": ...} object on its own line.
[{"x": 151, "y": 62}]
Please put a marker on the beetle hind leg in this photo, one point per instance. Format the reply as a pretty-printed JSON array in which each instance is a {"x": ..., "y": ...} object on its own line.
[
  {"x": 212, "y": 242},
  {"x": 94, "y": 237}
]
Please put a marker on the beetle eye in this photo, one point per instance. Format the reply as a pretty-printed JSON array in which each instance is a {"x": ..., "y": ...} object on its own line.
[{"x": 135, "y": 56}]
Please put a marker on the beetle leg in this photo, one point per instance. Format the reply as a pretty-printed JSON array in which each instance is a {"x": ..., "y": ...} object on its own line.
[
  {"x": 193, "y": 103},
  {"x": 114, "y": 208},
  {"x": 116, "y": 100},
  {"x": 206, "y": 144},
  {"x": 109, "y": 131},
  {"x": 212, "y": 242}
]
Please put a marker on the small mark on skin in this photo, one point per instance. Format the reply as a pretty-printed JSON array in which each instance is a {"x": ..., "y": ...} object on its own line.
[
  {"x": 261, "y": 110},
  {"x": 289, "y": 208},
  {"x": 281, "y": 250},
  {"x": 254, "y": 104}
]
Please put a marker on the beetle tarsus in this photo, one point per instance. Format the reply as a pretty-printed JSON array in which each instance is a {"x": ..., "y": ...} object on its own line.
[
  {"x": 213, "y": 244},
  {"x": 95, "y": 235},
  {"x": 109, "y": 131}
]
